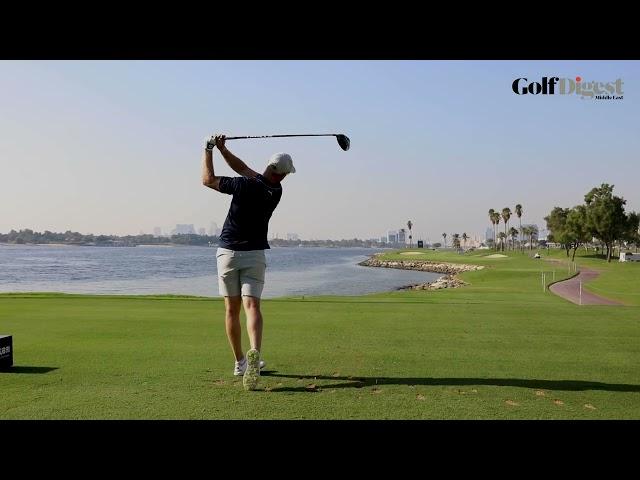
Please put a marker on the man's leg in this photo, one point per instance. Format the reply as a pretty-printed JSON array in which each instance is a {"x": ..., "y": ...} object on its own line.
[
  {"x": 251, "y": 375},
  {"x": 254, "y": 320},
  {"x": 252, "y": 281},
  {"x": 232, "y": 325},
  {"x": 229, "y": 287}
]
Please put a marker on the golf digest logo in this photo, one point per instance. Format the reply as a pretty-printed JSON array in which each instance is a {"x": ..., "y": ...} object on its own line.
[
  {"x": 568, "y": 86},
  {"x": 5, "y": 351}
]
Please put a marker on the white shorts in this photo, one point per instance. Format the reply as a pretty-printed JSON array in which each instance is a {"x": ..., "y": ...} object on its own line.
[{"x": 241, "y": 272}]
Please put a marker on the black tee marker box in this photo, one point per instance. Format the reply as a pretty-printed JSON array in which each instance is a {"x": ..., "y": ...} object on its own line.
[{"x": 6, "y": 352}]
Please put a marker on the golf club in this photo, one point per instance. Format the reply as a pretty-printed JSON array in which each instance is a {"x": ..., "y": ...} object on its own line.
[{"x": 343, "y": 140}]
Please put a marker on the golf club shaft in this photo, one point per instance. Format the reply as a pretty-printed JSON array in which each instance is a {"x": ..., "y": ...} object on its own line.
[
  {"x": 343, "y": 140},
  {"x": 274, "y": 136}
]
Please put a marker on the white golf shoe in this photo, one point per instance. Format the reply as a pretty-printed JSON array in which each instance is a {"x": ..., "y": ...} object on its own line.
[
  {"x": 251, "y": 375},
  {"x": 241, "y": 366}
]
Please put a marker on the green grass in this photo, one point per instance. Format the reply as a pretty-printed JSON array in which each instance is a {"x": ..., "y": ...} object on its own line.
[
  {"x": 620, "y": 281},
  {"x": 500, "y": 348}
]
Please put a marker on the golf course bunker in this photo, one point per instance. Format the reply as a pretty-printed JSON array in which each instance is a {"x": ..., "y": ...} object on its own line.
[
  {"x": 411, "y": 253},
  {"x": 496, "y": 255}
]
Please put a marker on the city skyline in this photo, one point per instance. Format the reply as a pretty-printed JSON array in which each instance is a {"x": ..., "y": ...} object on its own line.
[
  {"x": 392, "y": 236},
  {"x": 437, "y": 142},
  {"x": 387, "y": 238}
]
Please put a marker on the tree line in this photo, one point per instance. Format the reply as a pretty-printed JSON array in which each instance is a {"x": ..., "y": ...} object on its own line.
[
  {"x": 600, "y": 221},
  {"x": 28, "y": 236},
  {"x": 525, "y": 234},
  {"x": 455, "y": 240}
]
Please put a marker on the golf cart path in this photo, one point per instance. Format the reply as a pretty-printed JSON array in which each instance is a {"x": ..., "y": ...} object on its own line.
[{"x": 570, "y": 289}]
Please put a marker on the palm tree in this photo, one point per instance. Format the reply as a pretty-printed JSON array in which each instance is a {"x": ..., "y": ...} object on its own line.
[
  {"x": 532, "y": 231},
  {"x": 496, "y": 222},
  {"x": 456, "y": 240},
  {"x": 492, "y": 212},
  {"x": 409, "y": 225},
  {"x": 519, "y": 214},
  {"x": 502, "y": 236},
  {"x": 506, "y": 215},
  {"x": 444, "y": 236},
  {"x": 514, "y": 233},
  {"x": 464, "y": 239},
  {"x": 525, "y": 231},
  {"x": 402, "y": 231}
]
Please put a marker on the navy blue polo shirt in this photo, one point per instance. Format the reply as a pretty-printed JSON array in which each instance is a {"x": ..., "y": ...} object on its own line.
[{"x": 253, "y": 203}]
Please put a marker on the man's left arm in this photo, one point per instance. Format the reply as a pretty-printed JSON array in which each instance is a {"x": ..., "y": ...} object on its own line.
[
  {"x": 209, "y": 178},
  {"x": 234, "y": 162}
]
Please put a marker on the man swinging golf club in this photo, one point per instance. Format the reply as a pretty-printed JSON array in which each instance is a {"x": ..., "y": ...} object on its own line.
[{"x": 240, "y": 256}]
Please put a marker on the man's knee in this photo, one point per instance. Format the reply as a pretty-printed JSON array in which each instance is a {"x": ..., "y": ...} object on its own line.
[
  {"x": 251, "y": 303},
  {"x": 233, "y": 305}
]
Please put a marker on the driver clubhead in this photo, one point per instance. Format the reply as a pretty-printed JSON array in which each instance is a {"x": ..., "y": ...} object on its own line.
[{"x": 344, "y": 142}]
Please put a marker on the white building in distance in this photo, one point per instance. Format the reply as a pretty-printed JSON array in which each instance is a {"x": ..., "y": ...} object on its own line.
[{"x": 183, "y": 229}]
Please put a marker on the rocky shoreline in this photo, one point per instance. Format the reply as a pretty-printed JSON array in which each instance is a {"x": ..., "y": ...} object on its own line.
[{"x": 449, "y": 280}]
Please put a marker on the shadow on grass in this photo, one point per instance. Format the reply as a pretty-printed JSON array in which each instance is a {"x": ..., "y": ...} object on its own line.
[
  {"x": 28, "y": 369},
  {"x": 361, "y": 382}
]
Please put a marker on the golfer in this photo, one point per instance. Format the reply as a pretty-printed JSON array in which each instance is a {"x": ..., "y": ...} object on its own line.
[{"x": 240, "y": 256}]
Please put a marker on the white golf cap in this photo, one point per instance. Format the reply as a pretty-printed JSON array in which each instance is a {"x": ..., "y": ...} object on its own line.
[{"x": 282, "y": 163}]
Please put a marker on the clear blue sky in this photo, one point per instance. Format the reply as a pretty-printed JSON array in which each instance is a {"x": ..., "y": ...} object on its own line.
[{"x": 115, "y": 146}]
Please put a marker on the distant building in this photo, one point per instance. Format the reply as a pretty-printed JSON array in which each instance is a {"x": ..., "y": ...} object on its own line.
[
  {"x": 157, "y": 231},
  {"x": 292, "y": 236},
  {"x": 213, "y": 229},
  {"x": 629, "y": 257},
  {"x": 183, "y": 229},
  {"x": 488, "y": 234},
  {"x": 202, "y": 231},
  {"x": 402, "y": 237},
  {"x": 392, "y": 236},
  {"x": 383, "y": 239}
]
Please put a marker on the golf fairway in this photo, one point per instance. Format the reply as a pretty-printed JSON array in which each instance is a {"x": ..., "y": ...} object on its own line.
[{"x": 499, "y": 348}]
